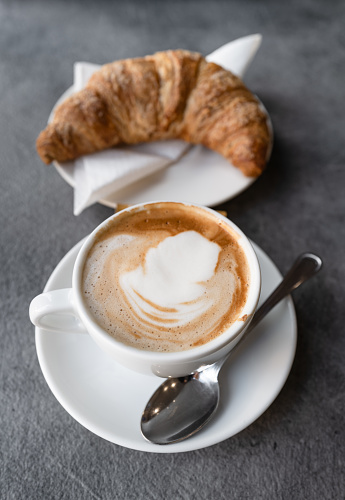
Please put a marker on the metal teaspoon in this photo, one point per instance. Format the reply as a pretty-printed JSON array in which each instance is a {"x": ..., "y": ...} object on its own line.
[{"x": 180, "y": 407}]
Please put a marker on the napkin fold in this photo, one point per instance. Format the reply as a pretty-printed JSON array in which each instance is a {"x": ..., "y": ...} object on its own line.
[{"x": 102, "y": 174}]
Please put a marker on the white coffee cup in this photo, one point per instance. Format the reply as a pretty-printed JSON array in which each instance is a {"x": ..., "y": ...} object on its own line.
[{"x": 65, "y": 311}]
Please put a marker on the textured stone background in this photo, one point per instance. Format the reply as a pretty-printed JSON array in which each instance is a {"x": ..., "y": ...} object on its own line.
[{"x": 296, "y": 449}]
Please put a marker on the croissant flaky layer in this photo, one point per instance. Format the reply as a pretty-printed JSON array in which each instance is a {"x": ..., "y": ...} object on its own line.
[{"x": 169, "y": 95}]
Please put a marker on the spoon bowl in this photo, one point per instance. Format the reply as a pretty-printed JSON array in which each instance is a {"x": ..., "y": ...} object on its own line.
[{"x": 199, "y": 390}]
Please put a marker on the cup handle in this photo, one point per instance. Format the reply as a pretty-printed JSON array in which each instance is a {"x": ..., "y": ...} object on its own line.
[{"x": 55, "y": 311}]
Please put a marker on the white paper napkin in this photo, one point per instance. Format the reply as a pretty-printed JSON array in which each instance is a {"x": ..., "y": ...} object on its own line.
[{"x": 101, "y": 174}]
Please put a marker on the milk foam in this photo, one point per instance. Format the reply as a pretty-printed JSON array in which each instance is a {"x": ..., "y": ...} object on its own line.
[
  {"x": 168, "y": 289},
  {"x": 172, "y": 276}
]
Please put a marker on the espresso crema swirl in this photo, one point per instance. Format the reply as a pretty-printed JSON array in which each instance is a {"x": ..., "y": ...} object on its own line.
[{"x": 166, "y": 278}]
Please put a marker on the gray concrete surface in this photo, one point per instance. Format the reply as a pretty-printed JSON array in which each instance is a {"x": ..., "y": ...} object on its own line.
[{"x": 295, "y": 450}]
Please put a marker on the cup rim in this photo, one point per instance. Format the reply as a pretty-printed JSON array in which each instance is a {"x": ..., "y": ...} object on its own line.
[{"x": 210, "y": 347}]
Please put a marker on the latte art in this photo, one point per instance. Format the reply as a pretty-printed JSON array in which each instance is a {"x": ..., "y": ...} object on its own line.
[
  {"x": 166, "y": 279},
  {"x": 170, "y": 285}
]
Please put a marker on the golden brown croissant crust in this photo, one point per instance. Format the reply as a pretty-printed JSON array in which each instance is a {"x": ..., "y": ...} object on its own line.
[{"x": 172, "y": 94}]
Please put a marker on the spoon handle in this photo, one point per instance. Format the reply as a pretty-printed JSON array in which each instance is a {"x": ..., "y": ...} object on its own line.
[{"x": 304, "y": 267}]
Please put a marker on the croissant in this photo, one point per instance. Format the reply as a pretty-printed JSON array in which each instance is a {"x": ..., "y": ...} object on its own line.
[{"x": 171, "y": 94}]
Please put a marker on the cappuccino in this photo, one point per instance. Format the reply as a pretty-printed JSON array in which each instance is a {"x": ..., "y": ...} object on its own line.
[{"x": 165, "y": 277}]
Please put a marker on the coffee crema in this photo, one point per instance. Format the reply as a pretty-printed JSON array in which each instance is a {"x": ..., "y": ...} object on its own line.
[{"x": 166, "y": 277}]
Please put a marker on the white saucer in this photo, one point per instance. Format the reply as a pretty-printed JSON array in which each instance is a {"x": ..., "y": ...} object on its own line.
[
  {"x": 108, "y": 399},
  {"x": 200, "y": 176}
]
